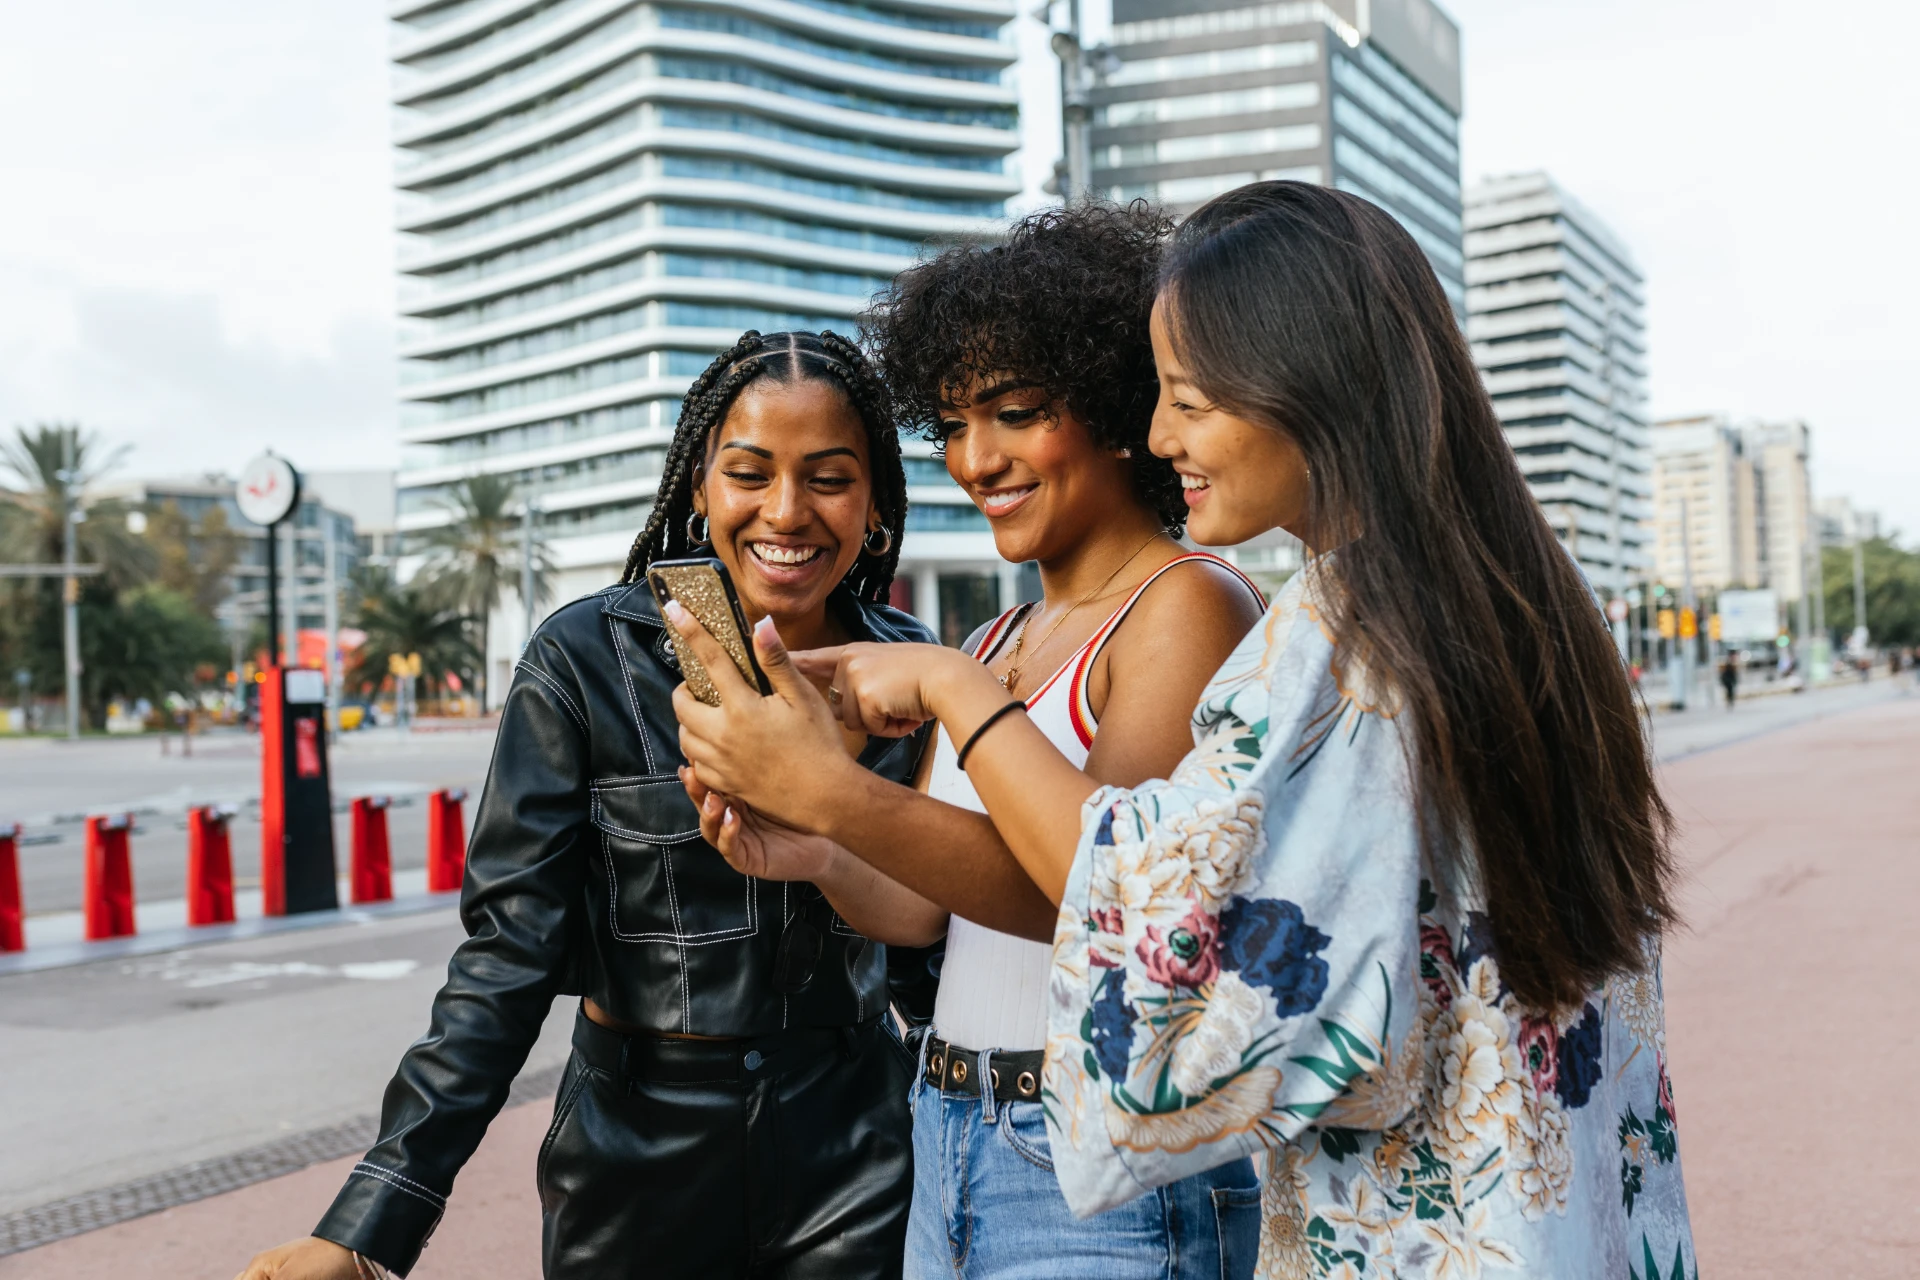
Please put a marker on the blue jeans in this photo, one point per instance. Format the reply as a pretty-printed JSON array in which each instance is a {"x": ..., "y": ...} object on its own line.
[{"x": 985, "y": 1204}]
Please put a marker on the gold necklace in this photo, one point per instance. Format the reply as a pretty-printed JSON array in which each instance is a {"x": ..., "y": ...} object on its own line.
[{"x": 1020, "y": 638}]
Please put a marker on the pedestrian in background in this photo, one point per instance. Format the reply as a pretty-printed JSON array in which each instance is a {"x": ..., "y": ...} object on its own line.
[
  {"x": 1730, "y": 675},
  {"x": 1395, "y": 921}
]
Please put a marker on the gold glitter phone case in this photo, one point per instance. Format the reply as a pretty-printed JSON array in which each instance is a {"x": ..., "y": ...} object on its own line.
[{"x": 704, "y": 590}]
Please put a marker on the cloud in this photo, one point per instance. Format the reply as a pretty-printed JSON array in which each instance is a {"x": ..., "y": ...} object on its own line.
[{"x": 157, "y": 370}]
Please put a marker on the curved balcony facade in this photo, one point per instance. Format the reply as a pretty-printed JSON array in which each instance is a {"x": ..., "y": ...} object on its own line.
[{"x": 596, "y": 196}]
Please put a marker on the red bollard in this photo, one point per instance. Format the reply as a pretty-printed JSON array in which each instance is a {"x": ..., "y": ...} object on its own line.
[
  {"x": 109, "y": 878},
  {"x": 13, "y": 935},
  {"x": 446, "y": 841},
  {"x": 209, "y": 866},
  {"x": 372, "y": 859}
]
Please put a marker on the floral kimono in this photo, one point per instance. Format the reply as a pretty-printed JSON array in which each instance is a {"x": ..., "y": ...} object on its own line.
[{"x": 1254, "y": 957}]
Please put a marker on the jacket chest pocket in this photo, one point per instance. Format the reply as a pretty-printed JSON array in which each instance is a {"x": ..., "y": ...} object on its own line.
[{"x": 664, "y": 884}]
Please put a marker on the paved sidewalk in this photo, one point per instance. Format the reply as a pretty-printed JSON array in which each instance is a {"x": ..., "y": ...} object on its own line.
[
  {"x": 491, "y": 1230},
  {"x": 1793, "y": 1000}
]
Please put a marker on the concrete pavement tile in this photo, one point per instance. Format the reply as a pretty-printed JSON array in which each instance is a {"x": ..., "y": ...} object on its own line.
[
  {"x": 1793, "y": 1007},
  {"x": 491, "y": 1230}
]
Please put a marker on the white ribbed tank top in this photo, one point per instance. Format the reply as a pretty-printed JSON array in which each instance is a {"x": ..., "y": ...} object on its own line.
[{"x": 993, "y": 986}]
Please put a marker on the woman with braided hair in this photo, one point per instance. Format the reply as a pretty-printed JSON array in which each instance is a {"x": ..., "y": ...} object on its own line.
[{"x": 736, "y": 1102}]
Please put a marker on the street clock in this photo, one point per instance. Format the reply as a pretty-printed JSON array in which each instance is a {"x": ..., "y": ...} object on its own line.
[{"x": 269, "y": 488}]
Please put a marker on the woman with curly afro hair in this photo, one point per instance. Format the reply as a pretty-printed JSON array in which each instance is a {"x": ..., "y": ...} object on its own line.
[{"x": 1030, "y": 363}]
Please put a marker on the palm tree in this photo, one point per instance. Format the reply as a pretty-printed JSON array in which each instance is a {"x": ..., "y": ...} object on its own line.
[
  {"x": 477, "y": 553},
  {"x": 402, "y": 620},
  {"x": 39, "y": 459}
]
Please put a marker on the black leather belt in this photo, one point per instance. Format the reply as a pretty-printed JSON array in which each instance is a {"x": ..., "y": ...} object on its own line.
[
  {"x": 1015, "y": 1076},
  {"x": 668, "y": 1060}
]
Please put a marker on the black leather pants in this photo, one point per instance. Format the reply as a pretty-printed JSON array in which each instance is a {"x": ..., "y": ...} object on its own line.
[{"x": 783, "y": 1156}]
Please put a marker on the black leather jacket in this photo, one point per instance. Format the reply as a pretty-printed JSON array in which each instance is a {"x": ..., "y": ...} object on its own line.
[{"x": 586, "y": 875}]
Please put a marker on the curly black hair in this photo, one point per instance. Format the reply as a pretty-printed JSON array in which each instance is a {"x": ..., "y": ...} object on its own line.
[
  {"x": 784, "y": 358},
  {"x": 1062, "y": 302}
]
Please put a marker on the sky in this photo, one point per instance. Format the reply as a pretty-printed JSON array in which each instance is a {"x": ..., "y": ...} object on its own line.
[{"x": 196, "y": 246}]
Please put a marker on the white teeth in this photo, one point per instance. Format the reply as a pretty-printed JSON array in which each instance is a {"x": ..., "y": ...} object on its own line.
[
  {"x": 1194, "y": 482},
  {"x": 1001, "y": 501},
  {"x": 784, "y": 555}
]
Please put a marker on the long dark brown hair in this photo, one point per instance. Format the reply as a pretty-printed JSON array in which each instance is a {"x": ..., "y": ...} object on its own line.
[
  {"x": 783, "y": 358},
  {"x": 1314, "y": 312}
]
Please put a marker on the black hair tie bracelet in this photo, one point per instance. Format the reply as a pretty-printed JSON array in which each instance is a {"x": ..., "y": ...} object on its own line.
[{"x": 960, "y": 761}]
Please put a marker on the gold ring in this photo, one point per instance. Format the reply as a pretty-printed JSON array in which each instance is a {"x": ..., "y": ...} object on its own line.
[{"x": 833, "y": 695}]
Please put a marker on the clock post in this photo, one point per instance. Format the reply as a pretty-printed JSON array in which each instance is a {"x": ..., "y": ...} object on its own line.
[{"x": 296, "y": 798}]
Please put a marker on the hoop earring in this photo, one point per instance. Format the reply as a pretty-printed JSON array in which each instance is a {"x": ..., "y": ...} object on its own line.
[
  {"x": 1126, "y": 452},
  {"x": 706, "y": 529},
  {"x": 886, "y": 542}
]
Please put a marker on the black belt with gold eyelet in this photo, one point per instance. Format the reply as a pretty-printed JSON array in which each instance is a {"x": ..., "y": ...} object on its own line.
[{"x": 1015, "y": 1076}]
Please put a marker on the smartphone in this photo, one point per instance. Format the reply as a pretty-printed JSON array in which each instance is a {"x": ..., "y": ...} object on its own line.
[{"x": 704, "y": 589}]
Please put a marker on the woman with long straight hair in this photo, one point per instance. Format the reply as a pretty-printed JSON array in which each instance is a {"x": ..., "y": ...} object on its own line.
[
  {"x": 1029, "y": 361},
  {"x": 1395, "y": 920}
]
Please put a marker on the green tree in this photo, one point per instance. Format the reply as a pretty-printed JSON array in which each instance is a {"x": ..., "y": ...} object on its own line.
[
  {"x": 402, "y": 620},
  {"x": 38, "y": 459},
  {"x": 194, "y": 557},
  {"x": 1893, "y": 590},
  {"x": 145, "y": 643},
  {"x": 476, "y": 555}
]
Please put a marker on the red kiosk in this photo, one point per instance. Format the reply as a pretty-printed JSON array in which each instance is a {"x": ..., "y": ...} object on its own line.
[{"x": 296, "y": 798}]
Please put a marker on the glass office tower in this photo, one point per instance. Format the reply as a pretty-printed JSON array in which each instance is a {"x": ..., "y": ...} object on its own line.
[
  {"x": 1362, "y": 95},
  {"x": 596, "y": 196}
]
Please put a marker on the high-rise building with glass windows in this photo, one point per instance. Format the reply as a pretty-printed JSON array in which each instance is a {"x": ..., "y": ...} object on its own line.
[
  {"x": 1361, "y": 95},
  {"x": 596, "y": 196},
  {"x": 1556, "y": 314}
]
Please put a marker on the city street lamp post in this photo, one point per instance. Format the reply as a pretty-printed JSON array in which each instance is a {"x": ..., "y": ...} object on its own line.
[
  {"x": 529, "y": 516},
  {"x": 70, "y": 515},
  {"x": 1860, "y": 633},
  {"x": 1682, "y": 676},
  {"x": 1081, "y": 67}
]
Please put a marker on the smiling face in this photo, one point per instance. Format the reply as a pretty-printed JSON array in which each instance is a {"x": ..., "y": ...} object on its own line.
[
  {"x": 788, "y": 492},
  {"x": 1240, "y": 478},
  {"x": 1032, "y": 468}
]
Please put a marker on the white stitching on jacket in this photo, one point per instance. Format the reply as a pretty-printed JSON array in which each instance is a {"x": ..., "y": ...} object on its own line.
[
  {"x": 400, "y": 1182},
  {"x": 566, "y": 702},
  {"x": 633, "y": 699}
]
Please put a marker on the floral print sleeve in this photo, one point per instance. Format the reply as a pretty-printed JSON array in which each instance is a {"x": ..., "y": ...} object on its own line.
[{"x": 1251, "y": 958}]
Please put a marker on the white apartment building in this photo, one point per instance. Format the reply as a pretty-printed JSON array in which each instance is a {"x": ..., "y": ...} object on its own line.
[
  {"x": 1781, "y": 452},
  {"x": 596, "y": 196},
  {"x": 1555, "y": 312},
  {"x": 1706, "y": 505}
]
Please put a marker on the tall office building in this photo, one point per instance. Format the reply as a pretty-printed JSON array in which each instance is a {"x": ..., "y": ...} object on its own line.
[
  {"x": 1706, "y": 496},
  {"x": 1781, "y": 453},
  {"x": 1554, "y": 312},
  {"x": 1362, "y": 95},
  {"x": 596, "y": 196}
]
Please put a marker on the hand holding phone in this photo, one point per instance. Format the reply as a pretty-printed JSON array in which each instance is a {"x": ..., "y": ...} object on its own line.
[{"x": 703, "y": 588}]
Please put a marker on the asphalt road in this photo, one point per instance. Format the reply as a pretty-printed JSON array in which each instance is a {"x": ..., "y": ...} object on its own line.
[{"x": 41, "y": 779}]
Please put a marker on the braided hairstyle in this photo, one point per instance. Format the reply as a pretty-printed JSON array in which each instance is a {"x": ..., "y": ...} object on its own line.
[{"x": 784, "y": 358}]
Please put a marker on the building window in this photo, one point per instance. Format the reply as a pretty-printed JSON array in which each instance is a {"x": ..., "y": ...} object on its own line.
[{"x": 967, "y": 602}]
